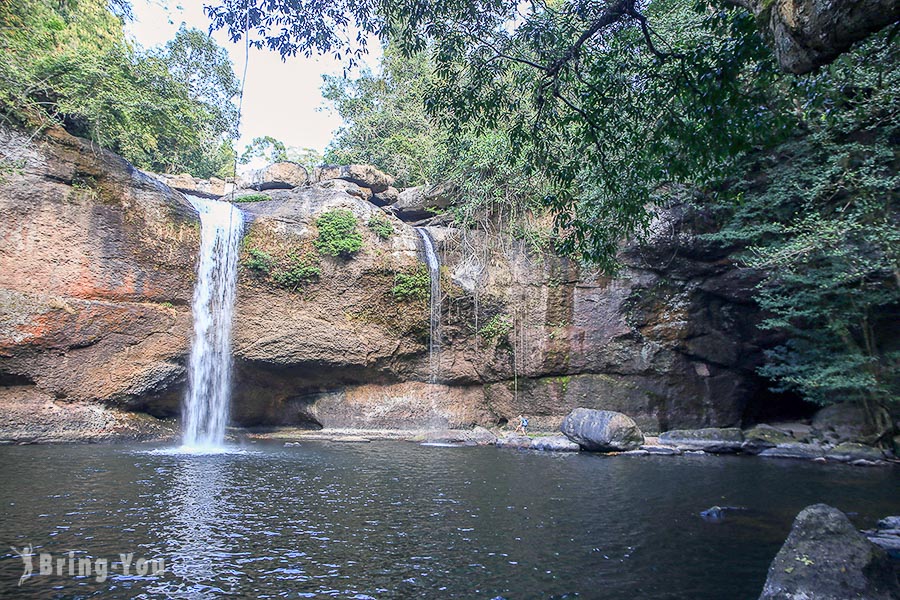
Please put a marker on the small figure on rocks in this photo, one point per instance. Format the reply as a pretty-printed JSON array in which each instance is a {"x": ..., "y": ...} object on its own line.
[{"x": 523, "y": 425}]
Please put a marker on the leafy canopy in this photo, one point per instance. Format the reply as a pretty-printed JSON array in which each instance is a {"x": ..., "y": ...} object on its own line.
[{"x": 68, "y": 63}]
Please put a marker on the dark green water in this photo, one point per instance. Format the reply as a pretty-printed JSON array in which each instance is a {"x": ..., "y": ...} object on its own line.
[{"x": 399, "y": 520}]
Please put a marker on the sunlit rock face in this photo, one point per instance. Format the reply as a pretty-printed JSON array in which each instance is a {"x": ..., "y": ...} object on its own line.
[
  {"x": 98, "y": 264},
  {"x": 96, "y": 276},
  {"x": 806, "y": 34}
]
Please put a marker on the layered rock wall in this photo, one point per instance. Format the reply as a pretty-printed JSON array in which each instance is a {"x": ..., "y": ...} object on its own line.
[{"x": 96, "y": 275}]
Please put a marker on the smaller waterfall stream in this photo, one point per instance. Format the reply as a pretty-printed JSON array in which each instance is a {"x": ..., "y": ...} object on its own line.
[
  {"x": 206, "y": 405},
  {"x": 434, "y": 337}
]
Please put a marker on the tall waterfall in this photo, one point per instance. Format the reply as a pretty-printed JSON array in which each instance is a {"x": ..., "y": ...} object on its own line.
[
  {"x": 434, "y": 334},
  {"x": 205, "y": 410}
]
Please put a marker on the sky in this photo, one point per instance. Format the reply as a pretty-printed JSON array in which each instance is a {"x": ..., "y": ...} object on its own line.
[{"x": 281, "y": 99}]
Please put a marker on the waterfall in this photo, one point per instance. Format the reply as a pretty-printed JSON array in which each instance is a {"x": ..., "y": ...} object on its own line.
[
  {"x": 434, "y": 333},
  {"x": 205, "y": 410}
]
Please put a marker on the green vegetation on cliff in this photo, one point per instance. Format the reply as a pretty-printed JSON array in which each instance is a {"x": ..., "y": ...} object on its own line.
[
  {"x": 168, "y": 109},
  {"x": 597, "y": 112},
  {"x": 338, "y": 235}
]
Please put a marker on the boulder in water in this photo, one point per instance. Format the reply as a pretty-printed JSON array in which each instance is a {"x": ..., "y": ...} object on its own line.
[
  {"x": 826, "y": 558},
  {"x": 761, "y": 437},
  {"x": 848, "y": 422},
  {"x": 554, "y": 443},
  {"x": 806, "y": 451},
  {"x": 602, "y": 430},
  {"x": 887, "y": 535},
  {"x": 514, "y": 441},
  {"x": 711, "y": 439},
  {"x": 850, "y": 451}
]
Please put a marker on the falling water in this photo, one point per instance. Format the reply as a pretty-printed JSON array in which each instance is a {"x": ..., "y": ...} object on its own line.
[
  {"x": 209, "y": 372},
  {"x": 434, "y": 334}
]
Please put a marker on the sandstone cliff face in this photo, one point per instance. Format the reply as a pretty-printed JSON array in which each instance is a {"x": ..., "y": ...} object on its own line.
[{"x": 96, "y": 275}]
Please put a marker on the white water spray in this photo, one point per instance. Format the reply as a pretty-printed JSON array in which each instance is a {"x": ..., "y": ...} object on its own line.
[
  {"x": 434, "y": 334},
  {"x": 205, "y": 410}
]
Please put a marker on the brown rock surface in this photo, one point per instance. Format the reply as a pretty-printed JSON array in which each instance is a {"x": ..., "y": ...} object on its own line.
[{"x": 96, "y": 277}]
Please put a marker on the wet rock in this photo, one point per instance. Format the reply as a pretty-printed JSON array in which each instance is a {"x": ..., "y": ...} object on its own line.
[
  {"x": 796, "y": 450},
  {"x": 886, "y": 535},
  {"x": 850, "y": 452},
  {"x": 640, "y": 452},
  {"x": 554, "y": 443},
  {"x": 716, "y": 514},
  {"x": 660, "y": 450},
  {"x": 826, "y": 558},
  {"x": 848, "y": 422},
  {"x": 761, "y": 437},
  {"x": 280, "y": 175},
  {"x": 365, "y": 176},
  {"x": 602, "y": 430},
  {"x": 514, "y": 441},
  {"x": 863, "y": 462},
  {"x": 711, "y": 439},
  {"x": 481, "y": 436}
]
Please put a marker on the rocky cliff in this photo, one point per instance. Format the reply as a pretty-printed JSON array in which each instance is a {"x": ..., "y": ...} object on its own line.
[{"x": 96, "y": 274}]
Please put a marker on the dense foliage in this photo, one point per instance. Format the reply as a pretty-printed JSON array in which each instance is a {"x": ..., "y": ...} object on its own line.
[
  {"x": 821, "y": 221},
  {"x": 338, "y": 234},
  {"x": 412, "y": 285},
  {"x": 168, "y": 110},
  {"x": 596, "y": 109}
]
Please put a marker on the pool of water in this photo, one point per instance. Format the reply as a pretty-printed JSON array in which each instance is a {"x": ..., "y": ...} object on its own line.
[{"x": 401, "y": 520}]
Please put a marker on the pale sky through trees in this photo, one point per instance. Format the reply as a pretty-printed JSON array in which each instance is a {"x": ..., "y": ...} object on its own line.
[{"x": 281, "y": 99}]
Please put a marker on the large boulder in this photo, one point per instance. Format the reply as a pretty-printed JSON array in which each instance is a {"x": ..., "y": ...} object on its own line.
[
  {"x": 280, "y": 175},
  {"x": 710, "y": 439},
  {"x": 762, "y": 437},
  {"x": 205, "y": 188},
  {"x": 554, "y": 443},
  {"x": 850, "y": 451},
  {"x": 826, "y": 558},
  {"x": 365, "y": 176},
  {"x": 806, "y": 34},
  {"x": 849, "y": 422},
  {"x": 794, "y": 450},
  {"x": 421, "y": 202},
  {"x": 602, "y": 430}
]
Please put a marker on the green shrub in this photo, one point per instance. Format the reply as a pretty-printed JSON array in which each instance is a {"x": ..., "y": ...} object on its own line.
[
  {"x": 259, "y": 261},
  {"x": 337, "y": 233},
  {"x": 382, "y": 226},
  {"x": 302, "y": 270},
  {"x": 412, "y": 285},
  {"x": 252, "y": 198},
  {"x": 498, "y": 326}
]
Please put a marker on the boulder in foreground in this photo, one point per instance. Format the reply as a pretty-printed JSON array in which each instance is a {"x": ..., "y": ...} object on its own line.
[
  {"x": 826, "y": 558},
  {"x": 602, "y": 430}
]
